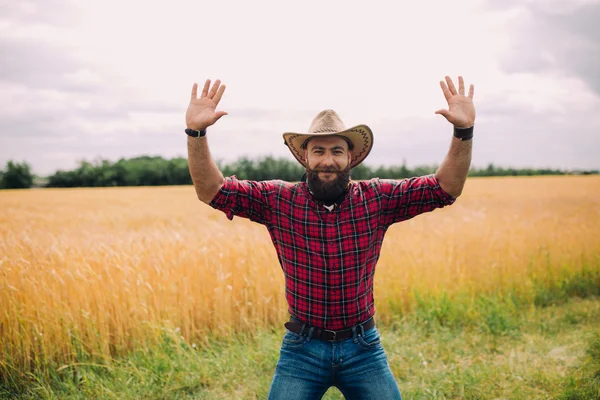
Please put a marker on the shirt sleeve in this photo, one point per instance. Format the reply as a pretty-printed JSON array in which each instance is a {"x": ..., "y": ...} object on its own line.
[
  {"x": 407, "y": 198},
  {"x": 244, "y": 198}
]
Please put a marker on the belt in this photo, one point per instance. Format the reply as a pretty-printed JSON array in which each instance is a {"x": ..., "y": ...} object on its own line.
[{"x": 295, "y": 326}]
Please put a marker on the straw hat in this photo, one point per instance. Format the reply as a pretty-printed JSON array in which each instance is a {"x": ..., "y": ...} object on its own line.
[{"x": 328, "y": 123}]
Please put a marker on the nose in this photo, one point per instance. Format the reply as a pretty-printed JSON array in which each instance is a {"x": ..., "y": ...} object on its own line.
[{"x": 327, "y": 160}]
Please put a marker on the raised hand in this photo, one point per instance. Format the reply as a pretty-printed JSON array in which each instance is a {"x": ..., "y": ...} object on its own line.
[
  {"x": 201, "y": 112},
  {"x": 461, "y": 111}
]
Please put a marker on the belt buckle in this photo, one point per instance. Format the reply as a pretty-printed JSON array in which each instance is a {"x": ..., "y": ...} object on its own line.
[{"x": 334, "y": 335}]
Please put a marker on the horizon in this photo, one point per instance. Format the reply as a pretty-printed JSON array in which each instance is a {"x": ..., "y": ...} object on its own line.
[{"x": 366, "y": 163}]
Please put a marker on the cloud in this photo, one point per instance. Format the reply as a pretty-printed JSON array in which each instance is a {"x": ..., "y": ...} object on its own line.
[
  {"x": 84, "y": 82},
  {"x": 38, "y": 11},
  {"x": 40, "y": 66},
  {"x": 557, "y": 36},
  {"x": 534, "y": 140}
]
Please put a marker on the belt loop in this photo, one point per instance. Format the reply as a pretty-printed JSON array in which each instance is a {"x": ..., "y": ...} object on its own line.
[
  {"x": 310, "y": 333},
  {"x": 354, "y": 337},
  {"x": 302, "y": 329},
  {"x": 362, "y": 330}
]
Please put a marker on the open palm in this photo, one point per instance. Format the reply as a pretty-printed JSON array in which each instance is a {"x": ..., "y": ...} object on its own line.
[
  {"x": 201, "y": 112},
  {"x": 461, "y": 111}
]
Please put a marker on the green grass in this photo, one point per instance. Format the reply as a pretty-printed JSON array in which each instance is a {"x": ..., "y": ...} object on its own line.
[{"x": 440, "y": 351}]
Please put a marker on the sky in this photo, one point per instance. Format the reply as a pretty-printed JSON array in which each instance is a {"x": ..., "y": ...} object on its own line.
[{"x": 110, "y": 79}]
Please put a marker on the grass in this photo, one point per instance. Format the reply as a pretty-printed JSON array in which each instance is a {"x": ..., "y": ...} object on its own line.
[{"x": 550, "y": 352}]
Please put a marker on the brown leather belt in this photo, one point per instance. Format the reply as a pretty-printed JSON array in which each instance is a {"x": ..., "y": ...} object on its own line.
[{"x": 295, "y": 326}]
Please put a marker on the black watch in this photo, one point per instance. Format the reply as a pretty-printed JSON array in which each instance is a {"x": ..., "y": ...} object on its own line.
[
  {"x": 464, "y": 133},
  {"x": 194, "y": 133}
]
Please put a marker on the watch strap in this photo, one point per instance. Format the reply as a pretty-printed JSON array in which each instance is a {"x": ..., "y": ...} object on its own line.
[
  {"x": 195, "y": 133},
  {"x": 463, "y": 133}
]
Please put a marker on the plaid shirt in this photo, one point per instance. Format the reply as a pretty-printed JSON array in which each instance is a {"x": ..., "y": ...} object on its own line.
[{"x": 329, "y": 257}]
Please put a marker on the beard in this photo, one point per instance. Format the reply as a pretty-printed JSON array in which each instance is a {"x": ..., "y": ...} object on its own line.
[{"x": 327, "y": 191}]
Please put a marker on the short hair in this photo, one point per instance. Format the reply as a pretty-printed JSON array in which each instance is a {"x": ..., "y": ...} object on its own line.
[{"x": 350, "y": 144}]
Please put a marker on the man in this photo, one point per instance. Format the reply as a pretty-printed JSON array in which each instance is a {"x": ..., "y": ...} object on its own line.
[{"x": 328, "y": 232}]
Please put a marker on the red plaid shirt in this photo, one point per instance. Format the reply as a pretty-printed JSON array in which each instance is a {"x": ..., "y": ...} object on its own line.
[{"x": 329, "y": 257}]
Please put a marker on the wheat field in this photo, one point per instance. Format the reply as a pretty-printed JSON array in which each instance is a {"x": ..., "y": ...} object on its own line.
[{"x": 106, "y": 270}]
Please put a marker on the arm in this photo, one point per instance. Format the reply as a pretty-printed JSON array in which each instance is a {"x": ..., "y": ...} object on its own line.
[
  {"x": 407, "y": 198},
  {"x": 201, "y": 114},
  {"x": 247, "y": 199},
  {"x": 452, "y": 174},
  {"x": 207, "y": 178}
]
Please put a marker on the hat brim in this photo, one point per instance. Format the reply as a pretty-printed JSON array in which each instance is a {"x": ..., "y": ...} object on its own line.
[{"x": 361, "y": 137}]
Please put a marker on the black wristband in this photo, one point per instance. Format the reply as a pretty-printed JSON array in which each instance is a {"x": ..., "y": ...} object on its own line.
[
  {"x": 194, "y": 133},
  {"x": 463, "y": 133}
]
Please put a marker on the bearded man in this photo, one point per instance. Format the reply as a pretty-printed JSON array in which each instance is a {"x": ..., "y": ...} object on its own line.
[{"x": 328, "y": 231}]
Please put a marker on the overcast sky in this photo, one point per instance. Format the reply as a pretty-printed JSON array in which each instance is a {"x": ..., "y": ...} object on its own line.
[{"x": 112, "y": 78}]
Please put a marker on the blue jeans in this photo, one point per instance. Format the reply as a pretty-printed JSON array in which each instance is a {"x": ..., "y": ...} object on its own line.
[{"x": 357, "y": 366}]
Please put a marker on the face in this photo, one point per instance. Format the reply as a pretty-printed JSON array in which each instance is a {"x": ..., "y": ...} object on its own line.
[
  {"x": 327, "y": 154},
  {"x": 328, "y": 172}
]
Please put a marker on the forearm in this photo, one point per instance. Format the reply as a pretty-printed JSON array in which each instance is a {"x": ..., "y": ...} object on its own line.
[
  {"x": 205, "y": 174},
  {"x": 453, "y": 172}
]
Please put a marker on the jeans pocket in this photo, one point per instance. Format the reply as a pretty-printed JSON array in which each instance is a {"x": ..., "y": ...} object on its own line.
[
  {"x": 291, "y": 339},
  {"x": 370, "y": 339}
]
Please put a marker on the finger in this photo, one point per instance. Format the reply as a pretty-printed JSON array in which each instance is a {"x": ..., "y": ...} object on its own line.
[
  {"x": 445, "y": 90},
  {"x": 219, "y": 114},
  {"x": 219, "y": 94},
  {"x": 451, "y": 85},
  {"x": 471, "y": 91},
  {"x": 445, "y": 113},
  {"x": 194, "y": 91},
  {"x": 214, "y": 89},
  {"x": 205, "y": 89},
  {"x": 461, "y": 85}
]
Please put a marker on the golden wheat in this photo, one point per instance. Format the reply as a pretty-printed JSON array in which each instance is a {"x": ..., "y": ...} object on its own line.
[{"x": 105, "y": 269}]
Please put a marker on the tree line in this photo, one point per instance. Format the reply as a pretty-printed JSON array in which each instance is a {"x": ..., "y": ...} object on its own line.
[{"x": 156, "y": 171}]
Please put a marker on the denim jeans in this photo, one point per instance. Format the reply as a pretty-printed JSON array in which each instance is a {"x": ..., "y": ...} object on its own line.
[{"x": 357, "y": 366}]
